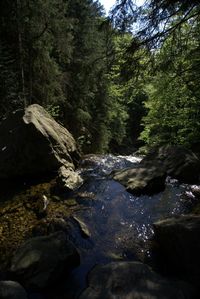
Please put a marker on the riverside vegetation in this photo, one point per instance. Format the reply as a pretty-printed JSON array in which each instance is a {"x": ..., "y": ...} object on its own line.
[{"x": 62, "y": 214}]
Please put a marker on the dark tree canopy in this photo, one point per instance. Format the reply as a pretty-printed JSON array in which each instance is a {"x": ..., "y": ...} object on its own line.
[
  {"x": 109, "y": 80},
  {"x": 157, "y": 19}
]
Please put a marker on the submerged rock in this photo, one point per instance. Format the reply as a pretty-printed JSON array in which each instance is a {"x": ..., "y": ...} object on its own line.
[
  {"x": 44, "y": 260},
  {"x": 32, "y": 143},
  {"x": 127, "y": 280},
  {"x": 85, "y": 232},
  {"x": 37, "y": 211},
  {"x": 12, "y": 290},
  {"x": 179, "y": 245}
]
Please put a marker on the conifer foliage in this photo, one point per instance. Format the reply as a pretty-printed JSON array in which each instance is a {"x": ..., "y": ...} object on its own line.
[
  {"x": 115, "y": 82},
  {"x": 64, "y": 55}
]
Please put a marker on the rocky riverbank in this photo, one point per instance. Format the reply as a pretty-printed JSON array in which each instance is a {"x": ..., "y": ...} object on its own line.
[{"x": 67, "y": 214}]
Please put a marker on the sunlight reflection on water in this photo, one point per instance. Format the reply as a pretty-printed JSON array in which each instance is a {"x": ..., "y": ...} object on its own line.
[{"x": 120, "y": 223}]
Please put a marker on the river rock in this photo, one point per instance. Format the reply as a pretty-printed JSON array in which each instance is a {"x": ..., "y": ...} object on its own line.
[
  {"x": 68, "y": 179},
  {"x": 33, "y": 143},
  {"x": 12, "y": 290},
  {"x": 149, "y": 176},
  {"x": 177, "y": 161},
  {"x": 41, "y": 261},
  {"x": 85, "y": 232},
  {"x": 179, "y": 245},
  {"x": 127, "y": 280},
  {"x": 141, "y": 180}
]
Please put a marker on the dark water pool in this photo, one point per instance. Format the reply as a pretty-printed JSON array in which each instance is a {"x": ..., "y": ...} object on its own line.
[
  {"x": 110, "y": 224},
  {"x": 119, "y": 224}
]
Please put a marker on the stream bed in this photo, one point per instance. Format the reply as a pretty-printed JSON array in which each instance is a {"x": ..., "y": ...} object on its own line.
[
  {"x": 105, "y": 222},
  {"x": 114, "y": 224}
]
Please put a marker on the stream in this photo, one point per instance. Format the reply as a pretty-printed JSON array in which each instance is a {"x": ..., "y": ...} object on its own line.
[{"x": 114, "y": 224}]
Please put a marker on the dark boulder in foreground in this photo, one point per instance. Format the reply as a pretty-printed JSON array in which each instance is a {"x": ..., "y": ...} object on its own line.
[
  {"x": 12, "y": 290},
  {"x": 33, "y": 143},
  {"x": 149, "y": 176},
  {"x": 179, "y": 245},
  {"x": 41, "y": 261},
  {"x": 127, "y": 280}
]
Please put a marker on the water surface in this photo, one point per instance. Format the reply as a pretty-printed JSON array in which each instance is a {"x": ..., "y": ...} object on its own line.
[{"x": 120, "y": 224}]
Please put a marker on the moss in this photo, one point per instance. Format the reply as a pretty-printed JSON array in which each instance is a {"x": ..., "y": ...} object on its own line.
[
  {"x": 71, "y": 202},
  {"x": 196, "y": 209},
  {"x": 21, "y": 217}
]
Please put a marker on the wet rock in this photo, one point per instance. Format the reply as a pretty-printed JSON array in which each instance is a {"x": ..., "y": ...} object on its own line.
[
  {"x": 32, "y": 143},
  {"x": 149, "y": 176},
  {"x": 83, "y": 227},
  {"x": 142, "y": 180},
  {"x": 179, "y": 245},
  {"x": 127, "y": 280},
  {"x": 58, "y": 224},
  {"x": 42, "y": 261},
  {"x": 68, "y": 179},
  {"x": 12, "y": 290},
  {"x": 177, "y": 161},
  {"x": 39, "y": 205},
  {"x": 49, "y": 226}
]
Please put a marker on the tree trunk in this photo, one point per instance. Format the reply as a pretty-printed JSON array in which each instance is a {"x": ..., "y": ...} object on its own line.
[{"x": 20, "y": 49}]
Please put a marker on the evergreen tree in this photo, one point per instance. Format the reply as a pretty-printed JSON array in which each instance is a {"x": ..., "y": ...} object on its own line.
[
  {"x": 127, "y": 96},
  {"x": 66, "y": 56}
]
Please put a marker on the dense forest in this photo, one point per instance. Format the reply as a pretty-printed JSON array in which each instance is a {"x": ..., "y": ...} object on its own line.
[{"x": 120, "y": 82}]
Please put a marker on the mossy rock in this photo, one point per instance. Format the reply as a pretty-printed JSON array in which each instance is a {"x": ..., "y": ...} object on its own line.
[
  {"x": 196, "y": 209},
  {"x": 71, "y": 202},
  {"x": 21, "y": 218}
]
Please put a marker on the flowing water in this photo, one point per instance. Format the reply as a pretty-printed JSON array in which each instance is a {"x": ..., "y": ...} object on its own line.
[
  {"x": 110, "y": 223},
  {"x": 118, "y": 225}
]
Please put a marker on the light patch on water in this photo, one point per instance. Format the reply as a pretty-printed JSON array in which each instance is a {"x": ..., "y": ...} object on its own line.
[
  {"x": 121, "y": 223},
  {"x": 132, "y": 159},
  {"x": 190, "y": 194},
  {"x": 102, "y": 165}
]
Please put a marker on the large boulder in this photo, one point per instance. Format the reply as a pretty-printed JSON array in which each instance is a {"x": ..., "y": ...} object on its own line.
[
  {"x": 179, "y": 245},
  {"x": 141, "y": 180},
  {"x": 127, "y": 280},
  {"x": 177, "y": 161},
  {"x": 32, "y": 143},
  {"x": 149, "y": 176},
  {"x": 12, "y": 290},
  {"x": 41, "y": 261}
]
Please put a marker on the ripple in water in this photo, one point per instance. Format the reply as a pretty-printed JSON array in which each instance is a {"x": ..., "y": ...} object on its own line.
[{"x": 120, "y": 224}]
